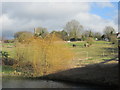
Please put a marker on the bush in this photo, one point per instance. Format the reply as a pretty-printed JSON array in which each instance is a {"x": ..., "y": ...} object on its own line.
[
  {"x": 113, "y": 39},
  {"x": 9, "y": 61},
  {"x": 90, "y": 40},
  {"x": 25, "y": 67},
  {"x": 44, "y": 55},
  {"x": 6, "y": 60},
  {"x": 22, "y": 36},
  {"x": 83, "y": 38},
  {"x": 4, "y": 54},
  {"x": 8, "y": 41}
]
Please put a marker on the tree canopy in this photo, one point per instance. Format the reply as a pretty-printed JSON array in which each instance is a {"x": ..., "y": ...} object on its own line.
[
  {"x": 40, "y": 32},
  {"x": 73, "y": 28},
  {"x": 22, "y": 35}
]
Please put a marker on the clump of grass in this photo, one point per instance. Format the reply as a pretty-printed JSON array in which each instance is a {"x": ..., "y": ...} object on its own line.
[
  {"x": 90, "y": 59},
  {"x": 46, "y": 55}
]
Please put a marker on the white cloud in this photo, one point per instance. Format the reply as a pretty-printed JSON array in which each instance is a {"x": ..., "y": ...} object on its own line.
[
  {"x": 104, "y": 4},
  {"x": 95, "y": 22},
  {"x": 54, "y": 16},
  {"x": 0, "y": 19},
  {"x": 47, "y": 10},
  {"x": 41, "y": 13},
  {"x": 60, "y": 0}
]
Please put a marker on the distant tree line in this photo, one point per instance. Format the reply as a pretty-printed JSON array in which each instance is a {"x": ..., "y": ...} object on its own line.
[{"x": 73, "y": 31}]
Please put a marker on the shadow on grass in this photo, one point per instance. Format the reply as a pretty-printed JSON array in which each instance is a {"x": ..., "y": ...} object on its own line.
[
  {"x": 96, "y": 74},
  {"x": 110, "y": 53},
  {"x": 113, "y": 49},
  {"x": 108, "y": 60}
]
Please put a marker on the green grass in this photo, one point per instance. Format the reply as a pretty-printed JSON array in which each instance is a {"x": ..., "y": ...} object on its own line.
[
  {"x": 93, "y": 54},
  {"x": 8, "y": 44},
  {"x": 11, "y": 50},
  {"x": 79, "y": 44},
  {"x": 96, "y": 53},
  {"x": 84, "y": 56},
  {"x": 101, "y": 42},
  {"x": 7, "y": 69}
]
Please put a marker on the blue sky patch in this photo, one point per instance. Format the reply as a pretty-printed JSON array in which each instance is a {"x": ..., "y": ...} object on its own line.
[{"x": 104, "y": 12}]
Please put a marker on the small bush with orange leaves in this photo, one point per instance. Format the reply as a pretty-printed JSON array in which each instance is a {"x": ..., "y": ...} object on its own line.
[{"x": 45, "y": 56}]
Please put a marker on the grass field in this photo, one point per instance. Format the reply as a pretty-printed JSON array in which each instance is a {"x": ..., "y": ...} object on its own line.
[
  {"x": 8, "y": 47},
  {"x": 95, "y": 63},
  {"x": 99, "y": 51}
]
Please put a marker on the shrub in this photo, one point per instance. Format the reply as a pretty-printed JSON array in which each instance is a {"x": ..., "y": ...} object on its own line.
[
  {"x": 113, "y": 39},
  {"x": 90, "y": 40},
  {"x": 4, "y": 54},
  {"x": 6, "y": 60},
  {"x": 9, "y": 61},
  {"x": 9, "y": 41},
  {"x": 46, "y": 55}
]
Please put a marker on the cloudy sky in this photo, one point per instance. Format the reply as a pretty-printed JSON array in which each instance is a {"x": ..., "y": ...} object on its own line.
[{"x": 21, "y": 16}]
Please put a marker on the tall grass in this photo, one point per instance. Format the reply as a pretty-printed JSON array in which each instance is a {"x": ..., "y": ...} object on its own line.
[{"x": 44, "y": 56}]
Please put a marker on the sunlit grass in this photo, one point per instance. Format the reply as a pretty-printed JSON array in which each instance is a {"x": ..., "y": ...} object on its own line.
[
  {"x": 7, "y": 69},
  {"x": 57, "y": 57},
  {"x": 93, "y": 54}
]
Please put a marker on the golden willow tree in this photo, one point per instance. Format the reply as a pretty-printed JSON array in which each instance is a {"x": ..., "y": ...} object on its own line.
[{"x": 43, "y": 56}]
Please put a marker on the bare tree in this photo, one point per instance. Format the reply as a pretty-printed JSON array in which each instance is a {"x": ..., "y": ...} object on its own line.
[
  {"x": 109, "y": 31},
  {"x": 97, "y": 35},
  {"x": 73, "y": 29}
]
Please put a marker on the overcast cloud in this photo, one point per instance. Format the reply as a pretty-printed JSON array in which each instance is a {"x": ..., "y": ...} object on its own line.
[{"x": 26, "y": 16}]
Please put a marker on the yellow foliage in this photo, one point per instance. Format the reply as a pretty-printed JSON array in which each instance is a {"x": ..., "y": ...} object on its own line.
[{"x": 46, "y": 55}]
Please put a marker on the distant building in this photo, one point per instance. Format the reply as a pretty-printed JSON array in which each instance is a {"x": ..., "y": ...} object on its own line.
[
  {"x": 118, "y": 35},
  {"x": 104, "y": 37},
  {"x": 1, "y": 41},
  {"x": 96, "y": 39},
  {"x": 36, "y": 31},
  {"x": 68, "y": 41}
]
